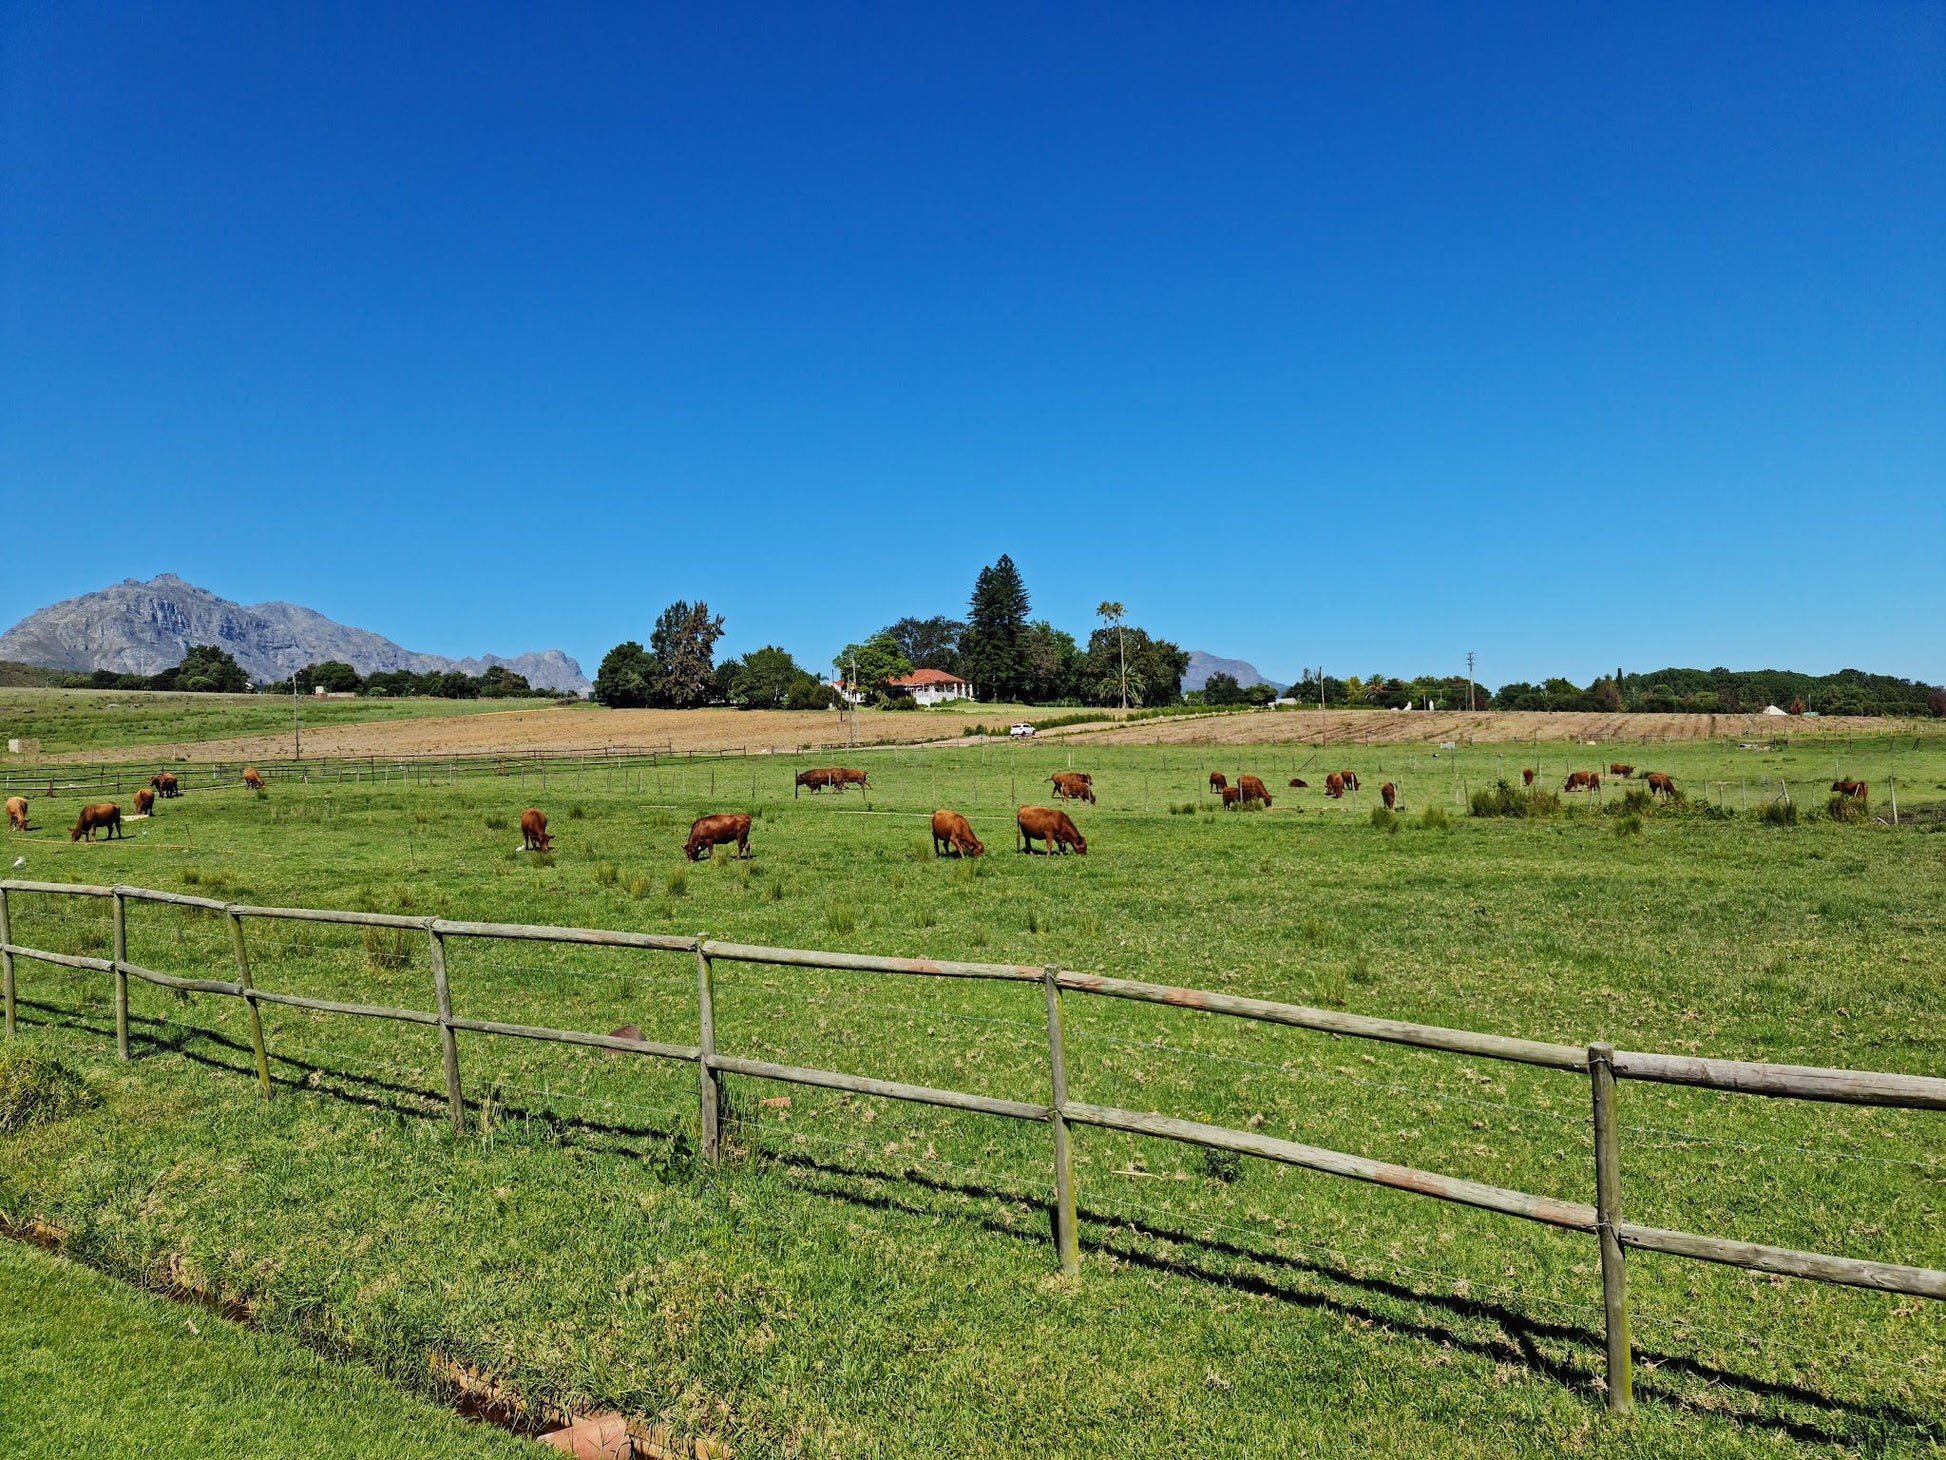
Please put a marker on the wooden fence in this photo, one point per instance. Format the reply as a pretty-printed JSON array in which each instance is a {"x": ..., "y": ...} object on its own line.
[{"x": 1603, "y": 1065}]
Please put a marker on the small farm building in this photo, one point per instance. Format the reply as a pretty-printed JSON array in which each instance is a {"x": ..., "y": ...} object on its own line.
[{"x": 932, "y": 686}]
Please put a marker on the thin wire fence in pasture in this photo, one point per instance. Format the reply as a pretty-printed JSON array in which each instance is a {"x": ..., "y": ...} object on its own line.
[{"x": 292, "y": 972}]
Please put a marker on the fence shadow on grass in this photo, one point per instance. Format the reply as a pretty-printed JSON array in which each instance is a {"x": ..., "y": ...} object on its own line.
[{"x": 1216, "y": 1262}]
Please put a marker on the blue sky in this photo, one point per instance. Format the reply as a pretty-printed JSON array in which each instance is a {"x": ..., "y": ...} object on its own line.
[{"x": 1353, "y": 335}]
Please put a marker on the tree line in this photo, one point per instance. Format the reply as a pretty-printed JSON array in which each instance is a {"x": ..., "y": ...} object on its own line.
[
  {"x": 1663, "y": 691},
  {"x": 211, "y": 669}
]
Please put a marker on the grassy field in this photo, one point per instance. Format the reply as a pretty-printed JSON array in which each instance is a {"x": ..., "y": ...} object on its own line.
[
  {"x": 862, "y": 1278},
  {"x": 69, "y": 720},
  {"x": 93, "y": 1368}
]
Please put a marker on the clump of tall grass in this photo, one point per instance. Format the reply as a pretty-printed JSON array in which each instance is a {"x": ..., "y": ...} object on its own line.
[
  {"x": 606, "y": 874},
  {"x": 1501, "y": 799},
  {"x": 841, "y": 919},
  {"x": 388, "y": 949},
  {"x": 1434, "y": 818},
  {"x": 1385, "y": 819},
  {"x": 1845, "y": 808},
  {"x": 1629, "y": 825},
  {"x": 38, "y": 1090},
  {"x": 495, "y": 822},
  {"x": 1778, "y": 813},
  {"x": 677, "y": 884}
]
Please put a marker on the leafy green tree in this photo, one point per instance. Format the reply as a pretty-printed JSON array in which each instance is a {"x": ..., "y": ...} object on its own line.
[
  {"x": 1049, "y": 657},
  {"x": 627, "y": 677},
  {"x": 1260, "y": 694},
  {"x": 1114, "y": 615},
  {"x": 929, "y": 643},
  {"x": 684, "y": 645},
  {"x": 873, "y": 662},
  {"x": 205, "y": 669},
  {"x": 1222, "y": 689},
  {"x": 456, "y": 684},
  {"x": 992, "y": 648},
  {"x": 1155, "y": 668},
  {"x": 762, "y": 679},
  {"x": 808, "y": 692},
  {"x": 500, "y": 683},
  {"x": 333, "y": 676}
]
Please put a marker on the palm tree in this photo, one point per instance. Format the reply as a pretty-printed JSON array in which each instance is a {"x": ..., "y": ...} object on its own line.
[{"x": 1113, "y": 615}]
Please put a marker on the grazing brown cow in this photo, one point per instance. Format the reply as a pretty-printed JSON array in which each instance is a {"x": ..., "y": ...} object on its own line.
[
  {"x": 1527, "y": 775},
  {"x": 1616, "y": 768},
  {"x": 105, "y": 817},
  {"x": 533, "y": 832},
  {"x": 815, "y": 780},
  {"x": 1232, "y": 798},
  {"x": 253, "y": 778},
  {"x": 1298, "y": 785},
  {"x": 16, "y": 813},
  {"x": 165, "y": 786},
  {"x": 714, "y": 831},
  {"x": 1350, "y": 779},
  {"x": 1217, "y": 781},
  {"x": 842, "y": 778},
  {"x": 1389, "y": 794},
  {"x": 1583, "y": 781},
  {"x": 1073, "y": 786},
  {"x": 1857, "y": 790},
  {"x": 1051, "y": 827},
  {"x": 1661, "y": 785},
  {"x": 950, "y": 829},
  {"x": 1334, "y": 786},
  {"x": 1253, "y": 789},
  {"x": 145, "y": 802}
]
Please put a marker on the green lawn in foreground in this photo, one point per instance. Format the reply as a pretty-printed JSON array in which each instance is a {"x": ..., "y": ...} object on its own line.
[
  {"x": 870, "y": 1279},
  {"x": 94, "y": 1368},
  {"x": 70, "y": 720}
]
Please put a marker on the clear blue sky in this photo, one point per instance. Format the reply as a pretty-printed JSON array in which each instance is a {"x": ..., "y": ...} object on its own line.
[{"x": 1358, "y": 335}]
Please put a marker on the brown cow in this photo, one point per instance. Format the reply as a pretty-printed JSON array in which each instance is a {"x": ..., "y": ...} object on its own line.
[
  {"x": 842, "y": 778},
  {"x": 165, "y": 786},
  {"x": 1334, "y": 786},
  {"x": 1051, "y": 827},
  {"x": 1857, "y": 790},
  {"x": 253, "y": 778},
  {"x": 1527, "y": 775},
  {"x": 1073, "y": 786},
  {"x": 1659, "y": 784},
  {"x": 1297, "y": 785},
  {"x": 145, "y": 802},
  {"x": 1389, "y": 793},
  {"x": 815, "y": 779},
  {"x": 950, "y": 829},
  {"x": 1232, "y": 798},
  {"x": 16, "y": 813},
  {"x": 1583, "y": 781},
  {"x": 105, "y": 817},
  {"x": 1217, "y": 781},
  {"x": 533, "y": 831},
  {"x": 1253, "y": 789},
  {"x": 1350, "y": 779},
  {"x": 714, "y": 831},
  {"x": 1616, "y": 768}
]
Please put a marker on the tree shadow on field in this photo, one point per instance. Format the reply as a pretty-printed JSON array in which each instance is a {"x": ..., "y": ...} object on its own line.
[{"x": 1378, "y": 1302}]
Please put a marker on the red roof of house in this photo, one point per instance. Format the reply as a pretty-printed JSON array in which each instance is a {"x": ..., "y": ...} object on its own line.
[{"x": 920, "y": 677}]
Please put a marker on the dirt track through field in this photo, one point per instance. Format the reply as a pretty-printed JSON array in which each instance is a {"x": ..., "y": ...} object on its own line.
[{"x": 1403, "y": 727}]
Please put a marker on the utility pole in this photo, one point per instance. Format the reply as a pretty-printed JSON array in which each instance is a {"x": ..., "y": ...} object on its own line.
[
  {"x": 1470, "y": 697},
  {"x": 851, "y": 700},
  {"x": 297, "y": 728}
]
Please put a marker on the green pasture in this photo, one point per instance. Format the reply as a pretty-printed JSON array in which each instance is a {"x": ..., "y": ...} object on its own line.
[
  {"x": 864, "y": 1278},
  {"x": 69, "y": 720},
  {"x": 95, "y": 1369}
]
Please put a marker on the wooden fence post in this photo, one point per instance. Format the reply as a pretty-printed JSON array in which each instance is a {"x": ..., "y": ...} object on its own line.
[
  {"x": 6, "y": 963},
  {"x": 250, "y": 1003},
  {"x": 1067, "y": 1240},
  {"x": 1608, "y": 1215},
  {"x": 448, "y": 1041},
  {"x": 121, "y": 976},
  {"x": 708, "y": 1097}
]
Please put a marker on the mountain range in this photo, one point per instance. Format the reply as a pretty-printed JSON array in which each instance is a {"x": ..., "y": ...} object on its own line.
[
  {"x": 1202, "y": 666},
  {"x": 143, "y": 628}
]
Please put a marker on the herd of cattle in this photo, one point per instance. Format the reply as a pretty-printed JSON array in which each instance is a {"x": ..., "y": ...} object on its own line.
[{"x": 951, "y": 832}]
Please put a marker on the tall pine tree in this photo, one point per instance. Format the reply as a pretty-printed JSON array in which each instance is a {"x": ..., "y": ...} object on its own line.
[{"x": 992, "y": 650}]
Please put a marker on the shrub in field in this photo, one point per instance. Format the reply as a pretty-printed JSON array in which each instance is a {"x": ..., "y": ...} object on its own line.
[
  {"x": 36, "y": 1090},
  {"x": 388, "y": 949},
  {"x": 1038, "y": 921},
  {"x": 1223, "y": 1166},
  {"x": 639, "y": 886},
  {"x": 1502, "y": 799},
  {"x": 606, "y": 874},
  {"x": 774, "y": 892},
  {"x": 1182, "y": 808},
  {"x": 841, "y": 919},
  {"x": 1384, "y": 818},
  {"x": 1635, "y": 801},
  {"x": 1629, "y": 825},
  {"x": 1434, "y": 818},
  {"x": 1845, "y": 808},
  {"x": 1778, "y": 813},
  {"x": 678, "y": 884}
]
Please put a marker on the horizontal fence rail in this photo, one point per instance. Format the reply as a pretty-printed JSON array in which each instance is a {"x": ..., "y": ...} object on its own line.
[{"x": 1603, "y": 1066}]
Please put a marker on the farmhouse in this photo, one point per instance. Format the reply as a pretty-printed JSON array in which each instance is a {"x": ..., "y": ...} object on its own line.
[{"x": 932, "y": 686}]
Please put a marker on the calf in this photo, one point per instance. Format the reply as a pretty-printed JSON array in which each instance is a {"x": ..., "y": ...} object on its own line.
[
  {"x": 16, "y": 813},
  {"x": 1073, "y": 786},
  {"x": 1857, "y": 790},
  {"x": 842, "y": 778},
  {"x": 1389, "y": 794},
  {"x": 1583, "y": 781},
  {"x": 533, "y": 832},
  {"x": 1232, "y": 798},
  {"x": 1527, "y": 775},
  {"x": 1334, "y": 786},
  {"x": 165, "y": 786},
  {"x": 951, "y": 830},
  {"x": 1253, "y": 789},
  {"x": 1298, "y": 785},
  {"x": 1661, "y": 785},
  {"x": 1052, "y": 827},
  {"x": 1616, "y": 768},
  {"x": 253, "y": 778},
  {"x": 106, "y": 817},
  {"x": 1350, "y": 779},
  {"x": 714, "y": 831},
  {"x": 145, "y": 802},
  {"x": 1217, "y": 781}
]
